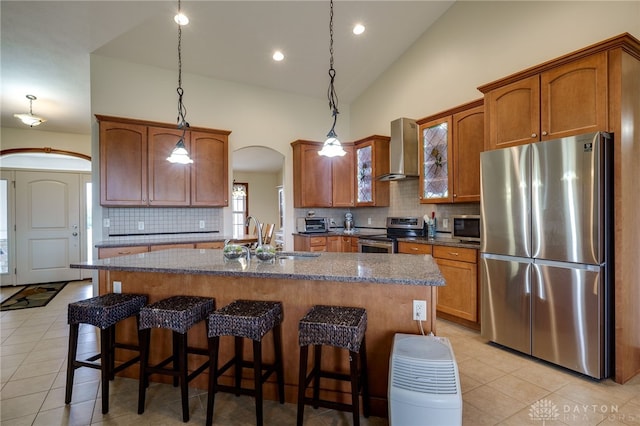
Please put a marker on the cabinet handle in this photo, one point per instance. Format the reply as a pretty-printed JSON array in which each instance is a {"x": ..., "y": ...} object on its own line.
[
  {"x": 414, "y": 248},
  {"x": 452, "y": 253},
  {"x": 544, "y": 133},
  {"x": 533, "y": 135},
  {"x": 124, "y": 252}
]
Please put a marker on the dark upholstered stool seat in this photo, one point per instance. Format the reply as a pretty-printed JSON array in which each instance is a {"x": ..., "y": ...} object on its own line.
[
  {"x": 178, "y": 314},
  {"x": 103, "y": 312},
  {"x": 341, "y": 327},
  {"x": 249, "y": 319}
]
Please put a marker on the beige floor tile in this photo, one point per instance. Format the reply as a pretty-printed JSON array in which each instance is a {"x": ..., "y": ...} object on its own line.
[
  {"x": 81, "y": 392},
  {"x": 70, "y": 415},
  {"x": 519, "y": 389},
  {"x": 13, "y": 360},
  {"x": 47, "y": 355},
  {"x": 20, "y": 406},
  {"x": 467, "y": 383},
  {"x": 479, "y": 370},
  {"x": 21, "y": 348},
  {"x": 23, "y": 337},
  {"x": 28, "y": 386},
  {"x": 493, "y": 402},
  {"x": 20, "y": 421},
  {"x": 34, "y": 369},
  {"x": 472, "y": 416},
  {"x": 543, "y": 375}
]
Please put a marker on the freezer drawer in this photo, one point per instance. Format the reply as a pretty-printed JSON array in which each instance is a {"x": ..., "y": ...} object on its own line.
[
  {"x": 568, "y": 312},
  {"x": 506, "y": 301}
]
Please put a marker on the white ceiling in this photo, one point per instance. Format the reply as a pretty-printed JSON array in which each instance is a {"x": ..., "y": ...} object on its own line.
[{"x": 45, "y": 46}]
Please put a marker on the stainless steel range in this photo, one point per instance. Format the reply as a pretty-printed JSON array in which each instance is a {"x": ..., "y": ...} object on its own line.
[{"x": 397, "y": 227}]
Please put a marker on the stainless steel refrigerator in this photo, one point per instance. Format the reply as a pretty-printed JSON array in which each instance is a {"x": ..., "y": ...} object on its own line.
[{"x": 546, "y": 253}]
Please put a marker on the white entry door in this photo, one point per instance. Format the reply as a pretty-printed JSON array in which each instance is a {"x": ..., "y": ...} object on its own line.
[{"x": 48, "y": 226}]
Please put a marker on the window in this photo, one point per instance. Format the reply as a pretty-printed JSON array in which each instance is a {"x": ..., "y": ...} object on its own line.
[{"x": 240, "y": 205}]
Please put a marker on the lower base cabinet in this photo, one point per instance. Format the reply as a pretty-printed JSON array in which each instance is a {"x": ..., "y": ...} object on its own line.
[
  {"x": 458, "y": 300},
  {"x": 331, "y": 243}
]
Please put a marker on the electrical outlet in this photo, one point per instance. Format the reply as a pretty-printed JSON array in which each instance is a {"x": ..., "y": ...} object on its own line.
[
  {"x": 202, "y": 224},
  {"x": 117, "y": 287},
  {"x": 140, "y": 226},
  {"x": 368, "y": 221},
  {"x": 106, "y": 222},
  {"x": 445, "y": 223},
  {"x": 420, "y": 310}
]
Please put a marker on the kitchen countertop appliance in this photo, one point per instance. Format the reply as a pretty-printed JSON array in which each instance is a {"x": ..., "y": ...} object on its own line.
[
  {"x": 546, "y": 257},
  {"x": 397, "y": 227}
]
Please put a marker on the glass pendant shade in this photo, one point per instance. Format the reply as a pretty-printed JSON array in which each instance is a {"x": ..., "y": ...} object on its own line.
[
  {"x": 179, "y": 154},
  {"x": 332, "y": 147},
  {"x": 30, "y": 119}
]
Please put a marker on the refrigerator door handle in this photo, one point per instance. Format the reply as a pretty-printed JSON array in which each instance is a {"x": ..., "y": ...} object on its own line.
[
  {"x": 507, "y": 258},
  {"x": 580, "y": 266}
]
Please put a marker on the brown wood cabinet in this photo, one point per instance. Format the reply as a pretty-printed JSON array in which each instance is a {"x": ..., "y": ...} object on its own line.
[
  {"x": 331, "y": 243},
  {"x": 309, "y": 243},
  {"x": 449, "y": 155},
  {"x": 105, "y": 252},
  {"x": 595, "y": 88},
  {"x": 372, "y": 160},
  {"x": 321, "y": 181},
  {"x": 134, "y": 170},
  {"x": 458, "y": 300},
  {"x": 564, "y": 100},
  {"x": 123, "y": 163}
]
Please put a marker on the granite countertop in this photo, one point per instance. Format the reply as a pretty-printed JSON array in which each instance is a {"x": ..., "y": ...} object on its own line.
[{"x": 407, "y": 269}]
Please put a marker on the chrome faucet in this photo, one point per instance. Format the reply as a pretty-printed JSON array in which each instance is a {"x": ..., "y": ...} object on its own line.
[{"x": 258, "y": 228}]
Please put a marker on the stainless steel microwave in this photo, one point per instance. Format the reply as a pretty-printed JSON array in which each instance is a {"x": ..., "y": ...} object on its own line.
[
  {"x": 466, "y": 228},
  {"x": 310, "y": 225}
]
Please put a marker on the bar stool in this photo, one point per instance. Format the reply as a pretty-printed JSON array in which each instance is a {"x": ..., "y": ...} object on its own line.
[
  {"x": 252, "y": 320},
  {"x": 179, "y": 314},
  {"x": 103, "y": 312},
  {"x": 342, "y": 327}
]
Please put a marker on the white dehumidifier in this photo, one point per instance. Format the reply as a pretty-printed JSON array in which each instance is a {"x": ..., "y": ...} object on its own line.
[{"x": 424, "y": 384}]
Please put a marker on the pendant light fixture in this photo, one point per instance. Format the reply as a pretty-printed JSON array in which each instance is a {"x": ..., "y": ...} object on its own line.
[
  {"x": 332, "y": 146},
  {"x": 30, "y": 119},
  {"x": 180, "y": 153}
]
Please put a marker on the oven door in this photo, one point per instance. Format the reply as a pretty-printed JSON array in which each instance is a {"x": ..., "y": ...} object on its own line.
[{"x": 367, "y": 245}]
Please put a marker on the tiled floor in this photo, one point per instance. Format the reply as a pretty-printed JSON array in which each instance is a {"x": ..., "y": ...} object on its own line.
[{"x": 499, "y": 387}]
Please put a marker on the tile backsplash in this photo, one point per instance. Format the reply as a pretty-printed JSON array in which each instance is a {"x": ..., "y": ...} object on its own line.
[
  {"x": 404, "y": 202},
  {"x": 150, "y": 221}
]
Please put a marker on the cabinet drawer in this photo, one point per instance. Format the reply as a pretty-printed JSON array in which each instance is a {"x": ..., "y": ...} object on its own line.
[
  {"x": 456, "y": 253},
  {"x": 317, "y": 241},
  {"x": 414, "y": 248},
  {"x": 210, "y": 245},
  {"x": 120, "y": 251},
  {"x": 159, "y": 247}
]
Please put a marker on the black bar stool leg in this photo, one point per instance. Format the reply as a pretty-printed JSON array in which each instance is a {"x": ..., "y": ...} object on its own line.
[
  {"x": 105, "y": 367},
  {"x": 214, "y": 345},
  {"x": 175, "y": 361},
  {"x": 144, "y": 336},
  {"x": 112, "y": 353},
  {"x": 317, "y": 366},
  {"x": 238, "y": 363},
  {"x": 71, "y": 358},
  {"x": 277, "y": 344},
  {"x": 355, "y": 393},
  {"x": 257, "y": 374},
  {"x": 182, "y": 367},
  {"x": 364, "y": 379},
  {"x": 302, "y": 383}
]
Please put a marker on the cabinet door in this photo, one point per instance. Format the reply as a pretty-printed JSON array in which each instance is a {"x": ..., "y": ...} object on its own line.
[
  {"x": 334, "y": 243},
  {"x": 209, "y": 171},
  {"x": 123, "y": 164},
  {"x": 312, "y": 177},
  {"x": 513, "y": 114},
  {"x": 169, "y": 183},
  {"x": 574, "y": 98},
  {"x": 372, "y": 159},
  {"x": 343, "y": 178},
  {"x": 468, "y": 143},
  {"x": 460, "y": 296},
  {"x": 436, "y": 180}
]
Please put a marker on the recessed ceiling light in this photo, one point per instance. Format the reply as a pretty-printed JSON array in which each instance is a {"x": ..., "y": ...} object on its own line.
[
  {"x": 181, "y": 19},
  {"x": 278, "y": 56},
  {"x": 358, "y": 29}
]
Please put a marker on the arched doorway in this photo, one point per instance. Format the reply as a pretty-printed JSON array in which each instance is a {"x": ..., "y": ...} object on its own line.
[{"x": 45, "y": 215}]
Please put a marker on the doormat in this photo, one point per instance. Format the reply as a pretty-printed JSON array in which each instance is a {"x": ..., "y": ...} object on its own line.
[{"x": 32, "y": 296}]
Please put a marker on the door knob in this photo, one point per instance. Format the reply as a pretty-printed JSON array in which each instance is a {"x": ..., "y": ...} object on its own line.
[{"x": 75, "y": 234}]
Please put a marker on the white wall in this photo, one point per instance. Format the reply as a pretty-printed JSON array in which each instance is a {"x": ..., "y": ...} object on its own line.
[
  {"x": 31, "y": 138},
  {"x": 478, "y": 42}
]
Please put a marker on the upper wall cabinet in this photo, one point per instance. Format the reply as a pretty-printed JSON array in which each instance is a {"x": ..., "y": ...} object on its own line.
[
  {"x": 449, "y": 155},
  {"x": 568, "y": 98},
  {"x": 134, "y": 170},
  {"x": 320, "y": 181},
  {"x": 372, "y": 159}
]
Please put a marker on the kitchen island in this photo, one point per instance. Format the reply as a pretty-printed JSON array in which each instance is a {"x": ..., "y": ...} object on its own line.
[{"x": 384, "y": 284}]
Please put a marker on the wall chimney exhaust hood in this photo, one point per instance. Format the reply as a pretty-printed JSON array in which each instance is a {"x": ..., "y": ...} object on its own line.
[{"x": 403, "y": 150}]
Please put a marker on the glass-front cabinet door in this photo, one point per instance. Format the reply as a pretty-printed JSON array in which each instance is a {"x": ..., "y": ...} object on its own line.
[
  {"x": 436, "y": 179},
  {"x": 364, "y": 174}
]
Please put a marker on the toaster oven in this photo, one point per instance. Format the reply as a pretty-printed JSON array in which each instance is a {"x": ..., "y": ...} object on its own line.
[{"x": 311, "y": 225}]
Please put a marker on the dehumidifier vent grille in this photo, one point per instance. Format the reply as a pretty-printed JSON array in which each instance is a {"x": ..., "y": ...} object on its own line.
[{"x": 432, "y": 377}]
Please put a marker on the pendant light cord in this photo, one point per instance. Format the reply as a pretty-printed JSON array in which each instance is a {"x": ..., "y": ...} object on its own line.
[
  {"x": 182, "y": 111},
  {"x": 331, "y": 92}
]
